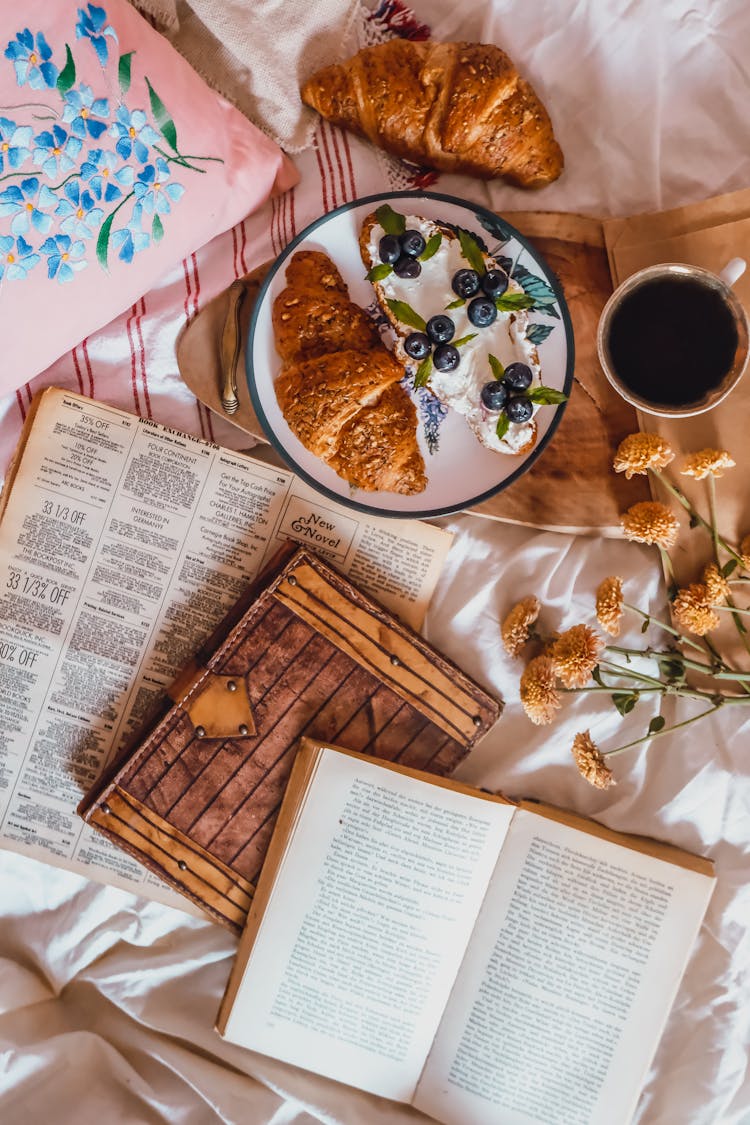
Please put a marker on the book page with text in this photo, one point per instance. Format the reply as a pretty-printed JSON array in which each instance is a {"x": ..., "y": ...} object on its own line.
[
  {"x": 367, "y": 924},
  {"x": 572, "y": 968}
]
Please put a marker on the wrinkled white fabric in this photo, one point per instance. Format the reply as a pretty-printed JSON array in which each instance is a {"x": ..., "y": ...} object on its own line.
[{"x": 107, "y": 1002}]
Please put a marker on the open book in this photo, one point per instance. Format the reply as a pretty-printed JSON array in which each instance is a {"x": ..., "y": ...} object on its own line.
[{"x": 488, "y": 963}]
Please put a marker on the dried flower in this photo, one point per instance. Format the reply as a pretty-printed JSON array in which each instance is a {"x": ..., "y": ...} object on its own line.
[
  {"x": 515, "y": 628},
  {"x": 575, "y": 654},
  {"x": 707, "y": 462},
  {"x": 590, "y": 761},
  {"x": 650, "y": 522},
  {"x": 609, "y": 605},
  {"x": 692, "y": 609},
  {"x": 539, "y": 694},
  {"x": 638, "y": 453},
  {"x": 745, "y": 552},
  {"x": 717, "y": 587}
]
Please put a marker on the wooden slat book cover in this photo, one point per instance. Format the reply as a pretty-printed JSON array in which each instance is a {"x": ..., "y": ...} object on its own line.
[{"x": 306, "y": 653}]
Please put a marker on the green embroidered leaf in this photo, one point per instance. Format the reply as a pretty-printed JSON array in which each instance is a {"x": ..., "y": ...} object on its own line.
[
  {"x": 390, "y": 220},
  {"x": 471, "y": 251},
  {"x": 538, "y": 333},
  {"x": 464, "y": 340},
  {"x": 67, "y": 75},
  {"x": 123, "y": 71},
  {"x": 497, "y": 368},
  {"x": 164, "y": 122},
  {"x": 423, "y": 373},
  {"x": 406, "y": 314},
  {"x": 432, "y": 247},
  {"x": 157, "y": 229},
  {"x": 625, "y": 701},
  {"x": 729, "y": 567},
  {"x": 102, "y": 242},
  {"x": 502, "y": 425},
  {"x": 546, "y": 396},
  {"x": 656, "y": 724},
  {"x": 377, "y": 273},
  {"x": 511, "y": 302},
  {"x": 457, "y": 304}
]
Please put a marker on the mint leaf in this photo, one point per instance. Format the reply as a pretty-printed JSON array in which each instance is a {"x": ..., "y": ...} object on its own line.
[
  {"x": 502, "y": 425},
  {"x": 377, "y": 273},
  {"x": 423, "y": 373},
  {"x": 457, "y": 304},
  {"x": 432, "y": 247},
  {"x": 546, "y": 396},
  {"x": 511, "y": 302},
  {"x": 497, "y": 368},
  {"x": 471, "y": 251},
  {"x": 463, "y": 340},
  {"x": 390, "y": 220},
  {"x": 406, "y": 314}
]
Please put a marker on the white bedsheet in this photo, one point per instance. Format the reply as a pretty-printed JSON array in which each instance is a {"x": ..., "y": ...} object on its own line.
[{"x": 107, "y": 1002}]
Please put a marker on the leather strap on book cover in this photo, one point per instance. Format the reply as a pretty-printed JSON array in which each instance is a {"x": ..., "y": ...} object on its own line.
[{"x": 306, "y": 653}]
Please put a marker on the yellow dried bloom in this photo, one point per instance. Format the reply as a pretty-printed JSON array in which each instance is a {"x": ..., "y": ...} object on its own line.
[
  {"x": 539, "y": 694},
  {"x": 609, "y": 605},
  {"x": 515, "y": 627},
  {"x": 590, "y": 761},
  {"x": 692, "y": 610},
  {"x": 707, "y": 462},
  {"x": 638, "y": 453},
  {"x": 650, "y": 522},
  {"x": 745, "y": 552},
  {"x": 717, "y": 587},
  {"x": 575, "y": 654}
]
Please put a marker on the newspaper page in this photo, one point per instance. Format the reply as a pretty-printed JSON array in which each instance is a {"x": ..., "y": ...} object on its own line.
[{"x": 122, "y": 545}]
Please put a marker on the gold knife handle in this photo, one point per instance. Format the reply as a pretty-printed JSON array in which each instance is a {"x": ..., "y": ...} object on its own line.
[{"x": 230, "y": 348}]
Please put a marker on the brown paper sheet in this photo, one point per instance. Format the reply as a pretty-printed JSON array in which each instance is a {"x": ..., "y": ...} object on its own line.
[{"x": 705, "y": 234}]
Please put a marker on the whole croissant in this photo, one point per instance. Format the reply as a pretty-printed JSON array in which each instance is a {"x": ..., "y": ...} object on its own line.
[{"x": 456, "y": 107}]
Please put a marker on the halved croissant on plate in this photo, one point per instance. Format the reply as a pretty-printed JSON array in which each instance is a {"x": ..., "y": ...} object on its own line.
[{"x": 456, "y": 107}]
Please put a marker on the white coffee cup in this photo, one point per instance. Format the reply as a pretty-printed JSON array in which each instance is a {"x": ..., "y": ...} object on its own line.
[{"x": 719, "y": 292}]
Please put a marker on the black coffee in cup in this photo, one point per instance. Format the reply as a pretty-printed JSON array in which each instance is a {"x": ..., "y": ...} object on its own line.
[{"x": 672, "y": 340}]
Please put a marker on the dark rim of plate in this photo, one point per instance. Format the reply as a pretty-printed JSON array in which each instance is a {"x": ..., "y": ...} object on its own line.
[{"x": 374, "y": 509}]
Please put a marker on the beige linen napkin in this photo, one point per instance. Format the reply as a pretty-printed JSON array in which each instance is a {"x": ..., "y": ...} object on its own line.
[{"x": 257, "y": 54}]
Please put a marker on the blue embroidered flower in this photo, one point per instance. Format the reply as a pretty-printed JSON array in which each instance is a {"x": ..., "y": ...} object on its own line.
[
  {"x": 91, "y": 25},
  {"x": 101, "y": 169},
  {"x": 31, "y": 60},
  {"x": 133, "y": 133},
  {"x": 56, "y": 151},
  {"x": 79, "y": 213},
  {"x": 18, "y": 262},
  {"x": 151, "y": 191},
  {"x": 6, "y": 247},
  {"x": 14, "y": 143},
  {"x": 64, "y": 257},
  {"x": 29, "y": 204},
  {"x": 130, "y": 239},
  {"x": 82, "y": 109}
]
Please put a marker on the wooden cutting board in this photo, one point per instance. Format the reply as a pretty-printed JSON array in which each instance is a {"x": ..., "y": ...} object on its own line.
[{"x": 572, "y": 485}]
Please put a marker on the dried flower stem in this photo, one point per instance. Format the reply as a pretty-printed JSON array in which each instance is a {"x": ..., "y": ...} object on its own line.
[
  {"x": 664, "y": 730},
  {"x": 682, "y": 498},
  {"x": 726, "y": 673},
  {"x": 663, "y": 625}
]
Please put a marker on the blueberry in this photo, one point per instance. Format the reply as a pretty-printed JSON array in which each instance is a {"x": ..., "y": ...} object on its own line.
[
  {"x": 389, "y": 249},
  {"x": 407, "y": 267},
  {"x": 518, "y": 376},
  {"x": 519, "y": 408},
  {"x": 465, "y": 283},
  {"x": 446, "y": 357},
  {"x": 417, "y": 345},
  {"x": 494, "y": 283},
  {"x": 412, "y": 243},
  {"x": 440, "y": 329},
  {"x": 494, "y": 395},
  {"x": 481, "y": 312}
]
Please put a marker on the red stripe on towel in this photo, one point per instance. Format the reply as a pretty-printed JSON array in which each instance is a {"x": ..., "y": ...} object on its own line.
[
  {"x": 331, "y": 175},
  {"x": 133, "y": 365},
  {"x": 89, "y": 369},
  {"x": 21, "y": 406},
  {"x": 77, "y": 366},
  {"x": 144, "y": 376}
]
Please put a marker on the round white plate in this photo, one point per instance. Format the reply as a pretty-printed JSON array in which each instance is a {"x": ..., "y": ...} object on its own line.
[{"x": 461, "y": 472}]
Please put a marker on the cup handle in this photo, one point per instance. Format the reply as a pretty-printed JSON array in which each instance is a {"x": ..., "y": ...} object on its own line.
[{"x": 733, "y": 271}]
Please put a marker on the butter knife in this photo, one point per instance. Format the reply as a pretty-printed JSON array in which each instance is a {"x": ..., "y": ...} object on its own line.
[{"x": 231, "y": 340}]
